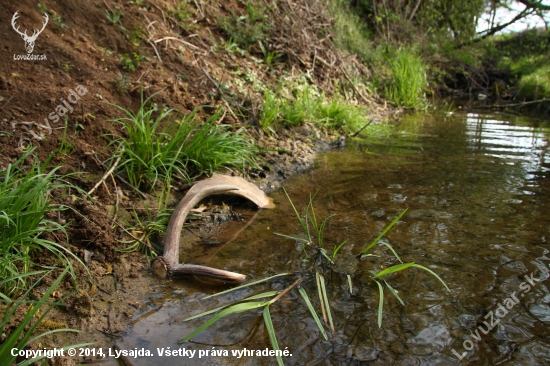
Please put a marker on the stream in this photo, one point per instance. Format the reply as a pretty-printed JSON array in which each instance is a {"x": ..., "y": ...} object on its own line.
[{"x": 477, "y": 191}]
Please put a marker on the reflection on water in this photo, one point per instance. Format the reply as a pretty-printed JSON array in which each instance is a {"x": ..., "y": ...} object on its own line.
[{"x": 477, "y": 191}]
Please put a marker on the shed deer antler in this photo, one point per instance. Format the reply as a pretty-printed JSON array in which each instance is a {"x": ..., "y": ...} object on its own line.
[{"x": 29, "y": 41}]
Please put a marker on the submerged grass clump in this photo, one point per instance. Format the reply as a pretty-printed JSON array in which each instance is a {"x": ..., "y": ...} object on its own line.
[
  {"x": 160, "y": 146},
  {"x": 25, "y": 205},
  {"x": 319, "y": 269}
]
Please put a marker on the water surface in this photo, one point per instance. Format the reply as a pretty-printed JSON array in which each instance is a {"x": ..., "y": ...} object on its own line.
[{"x": 477, "y": 192}]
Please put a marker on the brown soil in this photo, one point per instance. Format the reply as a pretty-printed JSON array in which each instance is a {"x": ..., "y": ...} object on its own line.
[{"x": 186, "y": 65}]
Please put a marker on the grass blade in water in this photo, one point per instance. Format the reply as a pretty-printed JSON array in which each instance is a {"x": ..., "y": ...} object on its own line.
[
  {"x": 337, "y": 248},
  {"x": 272, "y": 335},
  {"x": 433, "y": 273},
  {"x": 253, "y": 297},
  {"x": 380, "y": 303},
  {"x": 302, "y": 223},
  {"x": 393, "y": 251},
  {"x": 386, "y": 229},
  {"x": 312, "y": 311},
  {"x": 234, "y": 309},
  {"x": 392, "y": 290},
  {"x": 393, "y": 269},
  {"x": 320, "y": 292},
  {"x": 325, "y": 299}
]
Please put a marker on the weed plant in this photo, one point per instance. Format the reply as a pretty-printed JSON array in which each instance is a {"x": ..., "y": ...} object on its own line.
[
  {"x": 25, "y": 206},
  {"x": 183, "y": 14},
  {"x": 147, "y": 231},
  {"x": 131, "y": 62},
  {"x": 408, "y": 80},
  {"x": 270, "y": 56},
  {"x": 160, "y": 147},
  {"x": 113, "y": 16}
]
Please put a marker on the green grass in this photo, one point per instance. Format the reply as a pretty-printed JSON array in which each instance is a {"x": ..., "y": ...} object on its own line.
[
  {"x": 270, "y": 110},
  {"x": 150, "y": 151},
  {"x": 145, "y": 229},
  {"x": 25, "y": 208},
  {"x": 210, "y": 146},
  {"x": 532, "y": 73},
  {"x": 535, "y": 85},
  {"x": 20, "y": 337},
  {"x": 338, "y": 115},
  {"x": 314, "y": 229},
  {"x": 161, "y": 145},
  {"x": 302, "y": 108},
  {"x": 408, "y": 81},
  {"x": 307, "y": 105},
  {"x": 246, "y": 305}
]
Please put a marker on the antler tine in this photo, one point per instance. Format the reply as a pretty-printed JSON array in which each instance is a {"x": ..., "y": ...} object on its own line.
[
  {"x": 44, "y": 25},
  {"x": 13, "y": 20},
  {"x": 35, "y": 34}
]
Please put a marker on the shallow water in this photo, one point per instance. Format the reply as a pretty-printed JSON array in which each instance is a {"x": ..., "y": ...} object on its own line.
[{"x": 477, "y": 192}]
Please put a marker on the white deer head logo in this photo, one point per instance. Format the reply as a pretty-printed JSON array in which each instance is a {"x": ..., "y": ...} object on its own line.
[{"x": 29, "y": 41}]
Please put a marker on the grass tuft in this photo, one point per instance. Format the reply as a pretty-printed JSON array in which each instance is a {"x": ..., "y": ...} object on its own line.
[
  {"x": 25, "y": 206},
  {"x": 160, "y": 147},
  {"x": 408, "y": 80}
]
